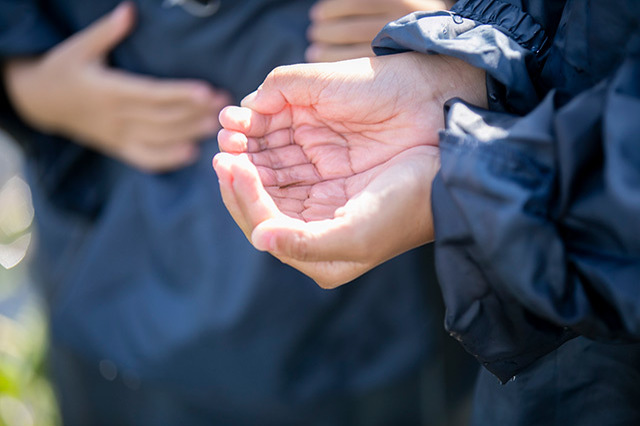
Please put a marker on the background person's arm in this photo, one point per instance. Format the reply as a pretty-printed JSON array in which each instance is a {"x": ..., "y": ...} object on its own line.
[{"x": 152, "y": 124}]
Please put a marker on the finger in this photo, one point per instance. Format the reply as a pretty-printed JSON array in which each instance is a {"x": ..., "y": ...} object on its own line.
[
  {"x": 222, "y": 165},
  {"x": 253, "y": 201},
  {"x": 230, "y": 141},
  {"x": 154, "y": 159},
  {"x": 99, "y": 38},
  {"x": 318, "y": 52},
  {"x": 319, "y": 241},
  {"x": 252, "y": 123},
  {"x": 164, "y": 92},
  {"x": 291, "y": 85},
  {"x": 165, "y": 126},
  {"x": 334, "y": 9},
  {"x": 161, "y": 137},
  {"x": 361, "y": 29}
]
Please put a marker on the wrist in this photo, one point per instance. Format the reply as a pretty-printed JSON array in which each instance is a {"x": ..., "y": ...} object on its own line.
[
  {"x": 21, "y": 77},
  {"x": 458, "y": 79}
]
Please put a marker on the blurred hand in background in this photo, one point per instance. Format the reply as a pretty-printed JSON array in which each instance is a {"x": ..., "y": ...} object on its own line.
[
  {"x": 150, "y": 123},
  {"x": 344, "y": 29}
]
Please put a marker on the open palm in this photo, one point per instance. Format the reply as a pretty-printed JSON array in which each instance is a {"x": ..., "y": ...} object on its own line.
[
  {"x": 317, "y": 144},
  {"x": 323, "y": 161}
]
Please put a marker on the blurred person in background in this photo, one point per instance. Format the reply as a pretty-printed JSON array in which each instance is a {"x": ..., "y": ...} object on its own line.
[{"x": 160, "y": 311}]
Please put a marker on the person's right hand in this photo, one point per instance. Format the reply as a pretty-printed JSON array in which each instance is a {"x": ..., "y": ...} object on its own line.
[{"x": 152, "y": 124}]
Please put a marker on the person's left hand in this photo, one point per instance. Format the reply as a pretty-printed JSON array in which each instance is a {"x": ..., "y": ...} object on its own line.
[{"x": 344, "y": 29}]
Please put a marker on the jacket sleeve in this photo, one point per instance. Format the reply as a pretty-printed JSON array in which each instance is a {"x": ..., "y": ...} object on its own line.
[
  {"x": 537, "y": 214},
  {"x": 509, "y": 41}
]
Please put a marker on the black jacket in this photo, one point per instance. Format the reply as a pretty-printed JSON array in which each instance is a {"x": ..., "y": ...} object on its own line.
[{"x": 537, "y": 204}]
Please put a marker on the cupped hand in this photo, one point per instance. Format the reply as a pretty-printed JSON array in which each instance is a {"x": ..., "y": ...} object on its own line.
[
  {"x": 152, "y": 124},
  {"x": 344, "y": 29},
  {"x": 329, "y": 166}
]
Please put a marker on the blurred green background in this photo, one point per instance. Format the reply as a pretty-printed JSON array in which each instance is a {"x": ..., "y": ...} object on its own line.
[{"x": 26, "y": 396}]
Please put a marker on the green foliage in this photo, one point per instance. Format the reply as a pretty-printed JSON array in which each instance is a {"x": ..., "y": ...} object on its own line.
[{"x": 26, "y": 396}]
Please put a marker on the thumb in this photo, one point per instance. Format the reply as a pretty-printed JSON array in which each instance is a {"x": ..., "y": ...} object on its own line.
[
  {"x": 287, "y": 85},
  {"x": 99, "y": 38},
  {"x": 326, "y": 240}
]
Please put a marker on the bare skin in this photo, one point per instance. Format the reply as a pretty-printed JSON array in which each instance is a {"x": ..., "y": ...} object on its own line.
[
  {"x": 152, "y": 124},
  {"x": 329, "y": 166},
  {"x": 344, "y": 29}
]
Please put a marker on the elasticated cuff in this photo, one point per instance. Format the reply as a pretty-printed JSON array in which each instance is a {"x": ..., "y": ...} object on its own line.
[{"x": 507, "y": 43}]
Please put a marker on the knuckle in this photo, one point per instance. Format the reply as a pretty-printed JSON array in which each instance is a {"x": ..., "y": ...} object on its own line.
[
  {"x": 281, "y": 73},
  {"x": 299, "y": 248}
]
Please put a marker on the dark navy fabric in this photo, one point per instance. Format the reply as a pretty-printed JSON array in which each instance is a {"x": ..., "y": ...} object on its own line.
[
  {"x": 148, "y": 272},
  {"x": 537, "y": 204}
]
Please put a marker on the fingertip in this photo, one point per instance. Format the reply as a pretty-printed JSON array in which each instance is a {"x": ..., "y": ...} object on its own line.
[
  {"x": 220, "y": 100},
  {"x": 235, "y": 118},
  {"x": 316, "y": 11},
  {"x": 189, "y": 153},
  {"x": 215, "y": 161},
  {"x": 250, "y": 99},
  {"x": 202, "y": 94},
  {"x": 221, "y": 171},
  {"x": 231, "y": 141},
  {"x": 222, "y": 115},
  {"x": 222, "y": 160},
  {"x": 312, "y": 53},
  {"x": 244, "y": 172},
  {"x": 124, "y": 13}
]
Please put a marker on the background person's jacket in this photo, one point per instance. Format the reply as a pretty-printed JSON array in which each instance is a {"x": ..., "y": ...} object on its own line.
[
  {"x": 537, "y": 204},
  {"x": 147, "y": 275}
]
